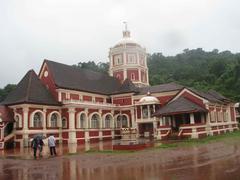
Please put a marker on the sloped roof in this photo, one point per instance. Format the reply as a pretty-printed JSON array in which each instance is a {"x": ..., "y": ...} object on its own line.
[
  {"x": 6, "y": 114},
  {"x": 160, "y": 88},
  {"x": 178, "y": 106},
  {"x": 126, "y": 87},
  {"x": 74, "y": 78},
  {"x": 30, "y": 90},
  {"x": 218, "y": 96},
  {"x": 211, "y": 95}
]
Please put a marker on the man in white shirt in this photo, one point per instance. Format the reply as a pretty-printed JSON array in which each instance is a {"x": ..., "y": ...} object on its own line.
[{"x": 52, "y": 144}]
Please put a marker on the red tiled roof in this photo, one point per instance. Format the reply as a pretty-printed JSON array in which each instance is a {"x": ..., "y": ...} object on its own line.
[
  {"x": 30, "y": 90},
  {"x": 179, "y": 106}
]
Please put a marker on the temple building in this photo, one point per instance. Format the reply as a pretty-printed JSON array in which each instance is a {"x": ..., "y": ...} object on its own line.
[{"x": 79, "y": 105}]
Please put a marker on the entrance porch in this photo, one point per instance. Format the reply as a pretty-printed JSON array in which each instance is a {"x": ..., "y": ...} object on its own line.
[{"x": 192, "y": 125}]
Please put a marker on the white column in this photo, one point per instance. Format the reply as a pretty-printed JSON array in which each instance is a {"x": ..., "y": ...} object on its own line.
[
  {"x": 192, "y": 121},
  {"x": 101, "y": 123},
  {"x": 124, "y": 65},
  {"x": 124, "y": 74},
  {"x": 59, "y": 96},
  {"x": 60, "y": 127},
  {"x": 141, "y": 112},
  {"x": 164, "y": 121},
  {"x": 25, "y": 127},
  {"x": 155, "y": 129},
  {"x": 133, "y": 119},
  {"x": 44, "y": 121},
  {"x": 139, "y": 75},
  {"x": 147, "y": 76},
  {"x": 113, "y": 125},
  {"x": 161, "y": 121},
  {"x": 87, "y": 126},
  {"x": 72, "y": 131}
]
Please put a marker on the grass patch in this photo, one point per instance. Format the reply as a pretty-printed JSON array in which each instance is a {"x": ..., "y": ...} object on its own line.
[{"x": 210, "y": 139}]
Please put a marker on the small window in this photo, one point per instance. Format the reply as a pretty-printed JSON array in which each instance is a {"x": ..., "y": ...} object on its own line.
[
  {"x": 95, "y": 121},
  {"x": 108, "y": 119},
  {"x": 37, "y": 120},
  {"x": 54, "y": 119},
  {"x": 133, "y": 76},
  {"x": 64, "y": 122}
]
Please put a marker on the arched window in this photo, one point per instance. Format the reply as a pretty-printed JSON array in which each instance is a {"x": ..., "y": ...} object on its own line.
[
  {"x": 64, "y": 122},
  {"x": 108, "y": 120},
  {"x": 54, "y": 119},
  {"x": 119, "y": 118},
  {"x": 95, "y": 121},
  {"x": 37, "y": 120},
  {"x": 124, "y": 121},
  {"x": 82, "y": 121}
]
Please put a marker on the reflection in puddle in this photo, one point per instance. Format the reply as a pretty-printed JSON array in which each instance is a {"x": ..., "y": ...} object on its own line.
[{"x": 207, "y": 162}]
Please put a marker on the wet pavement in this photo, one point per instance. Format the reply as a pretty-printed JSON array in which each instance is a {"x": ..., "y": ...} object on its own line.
[{"x": 218, "y": 160}]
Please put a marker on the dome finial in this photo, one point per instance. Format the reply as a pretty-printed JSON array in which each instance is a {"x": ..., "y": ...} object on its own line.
[
  {"x": 126, "y": 32},
  {"x": 125, "y": 23}
]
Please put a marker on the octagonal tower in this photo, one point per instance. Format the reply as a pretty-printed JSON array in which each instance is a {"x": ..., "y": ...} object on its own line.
[{"x": 128, "y": 59}]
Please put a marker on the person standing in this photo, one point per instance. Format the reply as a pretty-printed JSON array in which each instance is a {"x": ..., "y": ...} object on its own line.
[
  {"x": 34, "y": 145},
  {"x": 52, "y": 145},
  {"x": 40, "y": 146}
]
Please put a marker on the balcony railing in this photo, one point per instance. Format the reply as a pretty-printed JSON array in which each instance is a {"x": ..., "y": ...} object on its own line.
[
  {"x": 93, "y": 103},
  {"x": 150, "y": 119}
]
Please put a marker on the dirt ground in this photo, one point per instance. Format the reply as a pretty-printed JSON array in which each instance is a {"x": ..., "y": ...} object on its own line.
[{"x": 216, "y": 160}]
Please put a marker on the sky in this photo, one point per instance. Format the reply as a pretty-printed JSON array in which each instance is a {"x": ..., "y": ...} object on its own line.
[{"x": 72, "y": 31}]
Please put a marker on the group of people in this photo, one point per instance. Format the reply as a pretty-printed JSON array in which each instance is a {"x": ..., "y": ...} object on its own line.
[{"x": 37, "y": 144}]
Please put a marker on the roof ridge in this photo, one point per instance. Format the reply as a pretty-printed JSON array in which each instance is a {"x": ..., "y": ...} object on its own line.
[
  {"x": 29, "y": 85},
  {"x": 79, "y": 68}
]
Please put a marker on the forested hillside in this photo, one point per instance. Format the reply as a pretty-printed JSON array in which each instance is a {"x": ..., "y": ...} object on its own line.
[
  {"x": 193, "y": 68},
  {"x": 199, "y": 69}
]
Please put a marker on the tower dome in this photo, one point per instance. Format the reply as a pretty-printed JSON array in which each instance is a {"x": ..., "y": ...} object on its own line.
[{"x": 128, "y": 60}]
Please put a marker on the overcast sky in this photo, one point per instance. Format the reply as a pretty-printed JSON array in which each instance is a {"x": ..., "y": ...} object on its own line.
[{"x": 70, "y": 31}]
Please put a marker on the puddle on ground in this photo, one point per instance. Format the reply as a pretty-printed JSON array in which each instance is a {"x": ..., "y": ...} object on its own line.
[{"x": 213, "y": 161}]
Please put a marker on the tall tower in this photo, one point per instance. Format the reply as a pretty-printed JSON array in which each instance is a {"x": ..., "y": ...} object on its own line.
[{"x": 128, "y": 59}]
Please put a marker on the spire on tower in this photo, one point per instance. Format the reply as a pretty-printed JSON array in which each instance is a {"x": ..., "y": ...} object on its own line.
[
  {"x": 126, "y": 32},
  {"x": 125, "y": 23}
]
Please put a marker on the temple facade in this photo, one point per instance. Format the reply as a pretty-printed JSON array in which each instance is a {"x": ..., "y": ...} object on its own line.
[{"x": 78, "y": 105}]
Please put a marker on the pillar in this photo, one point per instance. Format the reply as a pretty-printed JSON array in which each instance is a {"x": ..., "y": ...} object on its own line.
[
  {"x": 139, "y": 75},
  {"x": 25, "y": 127},
  {"x": 141, "y": 112},
  {"x": 113, "y": 125},
  {"x": 60, "y": 127},
  {"x": 161, "y": 121},
  {"x": 192, "y": 121},
  {"x": 101, "y": 125},
  {"x": 72, "y": 130},
  {"x": 133, "y": 119},
  {"x": 44, "y": 122},
  {"x": 155, "y": 128},
  {"x": 86, "y": 126}
]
